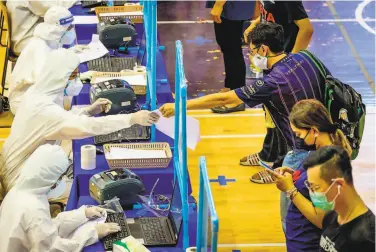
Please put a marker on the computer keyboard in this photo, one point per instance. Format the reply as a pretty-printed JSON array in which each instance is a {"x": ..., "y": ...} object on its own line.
[
  {"x": 119, "y": 218},
  {"x": 112, "y": 64},
  {"x": 153, "y": 231},
  {"x": 135, "y": 132}
]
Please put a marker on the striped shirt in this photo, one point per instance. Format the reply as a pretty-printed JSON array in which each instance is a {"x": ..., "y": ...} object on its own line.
[{"x": 290, "y": 80}]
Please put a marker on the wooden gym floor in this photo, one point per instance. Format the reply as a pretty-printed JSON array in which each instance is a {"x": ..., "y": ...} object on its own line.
[{"x": 248, "y": 212}]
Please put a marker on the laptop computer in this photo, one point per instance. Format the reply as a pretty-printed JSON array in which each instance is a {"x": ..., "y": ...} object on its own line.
[{"x": 160, "y": 231}]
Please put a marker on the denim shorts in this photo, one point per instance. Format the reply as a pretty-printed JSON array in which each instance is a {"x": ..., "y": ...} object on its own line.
[{"x": 293, "y": 159}]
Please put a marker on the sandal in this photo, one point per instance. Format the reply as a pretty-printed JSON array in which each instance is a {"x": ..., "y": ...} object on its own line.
[
  {"x": 253, "y": 160},
  {"x": 262, "y": 177}
]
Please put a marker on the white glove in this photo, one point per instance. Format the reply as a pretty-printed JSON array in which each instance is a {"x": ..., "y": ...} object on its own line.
[
  {"x": 87, "y": 75},
  {"x": 99, "y": 106},
  {"x": 79, "y": 48},
  {"x": 104, "y": 229},
  {"x": 144, "y": 118},
  {"x": 94, "y": 212}
]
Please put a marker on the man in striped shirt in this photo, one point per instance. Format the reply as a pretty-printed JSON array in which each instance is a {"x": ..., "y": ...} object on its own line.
[{"x": 287, "y": 79}]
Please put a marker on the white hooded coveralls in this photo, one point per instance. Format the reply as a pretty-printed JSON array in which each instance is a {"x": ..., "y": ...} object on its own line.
[
  {"x": 25, "y": 218},
  {"x": 25, "y": 16},
  {"x": 30, "y": 62},
  {"x": 40, "y": 120}
]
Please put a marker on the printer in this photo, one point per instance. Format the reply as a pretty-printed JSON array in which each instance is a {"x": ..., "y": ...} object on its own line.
[
  {"x": 119, "y": 92},
  {"x": 121, "y": 183},
  {"x": 116, "y": 32}
]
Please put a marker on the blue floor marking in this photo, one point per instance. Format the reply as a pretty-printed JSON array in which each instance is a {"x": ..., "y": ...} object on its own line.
[{"x": 222, "y": 180}]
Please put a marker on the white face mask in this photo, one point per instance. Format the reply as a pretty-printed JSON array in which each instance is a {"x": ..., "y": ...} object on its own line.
[
  {"x": 58, "y": 190},
  {"x": 68, "y": 38},
  {"x": 260, "y": 61},
  {"x": 73, "y": 87}
]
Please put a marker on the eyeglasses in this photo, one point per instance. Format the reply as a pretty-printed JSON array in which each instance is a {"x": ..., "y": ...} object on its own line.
[
  {"x": 310, "y": 187},
  {"x": 251, "y": 51}
]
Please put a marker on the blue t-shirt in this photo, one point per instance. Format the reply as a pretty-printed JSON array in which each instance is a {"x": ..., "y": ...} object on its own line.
[
  {"x": 290, "y": 80},
  {"x": 236, "y": 10},
  {"x": 301, "y": 234}
]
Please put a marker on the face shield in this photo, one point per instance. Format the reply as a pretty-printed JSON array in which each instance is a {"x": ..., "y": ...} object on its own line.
[{"x": 69, "y": 38}]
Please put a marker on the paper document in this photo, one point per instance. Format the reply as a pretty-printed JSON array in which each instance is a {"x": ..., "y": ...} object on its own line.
[
  {"x": 134, "y": 80},
  {"x": 124, "y": 153},
  {"x": 95, "y": 51},
  {"x": 85, "y": 20},
  {"x": 166, "y": 126},
  {"x": 84, "y": 228}
]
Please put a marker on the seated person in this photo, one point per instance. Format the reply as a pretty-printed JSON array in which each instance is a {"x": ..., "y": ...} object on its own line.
[
  {"x": 349, "y": 225},
  {"x": 25, "y": 15},
  {"x": 311, "y": 122},
  {"x": 39, "y": 120},
  {"x": 25, "y": 212},
  {"x": 55, "y": 31}
]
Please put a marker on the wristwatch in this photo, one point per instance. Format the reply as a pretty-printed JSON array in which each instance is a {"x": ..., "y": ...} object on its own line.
[{"x": 291, "y": 193}]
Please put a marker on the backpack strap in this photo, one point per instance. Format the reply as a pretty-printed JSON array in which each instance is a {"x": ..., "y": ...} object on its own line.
[
  {"x": 316, "y": 61},
  {"x": 323, "y": 73}
]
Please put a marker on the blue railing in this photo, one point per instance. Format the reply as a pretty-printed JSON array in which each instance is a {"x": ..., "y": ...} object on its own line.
[
  {"x": 150, "y": 24},
  {"x": 206, "y": 209},
  {"x": 180, "y": 143}
]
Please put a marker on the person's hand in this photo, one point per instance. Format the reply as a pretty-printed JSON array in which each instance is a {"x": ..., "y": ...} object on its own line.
[
  {"x": 167, "y": 110},
  {"x": 248, "y": 30},
  {"x": 86, "y": 76},
  {"x": 99, "y": 106},
  {"x": 284, "y": 169},
  {"x": 79, "y": 48},
  {"x": 216, "y": 12},
  {"x": 93, "y": 212},
  {"x": 283, "y": 182},
  {"x": 104, "y": 229},
  {"x": 144, "y": 118}
]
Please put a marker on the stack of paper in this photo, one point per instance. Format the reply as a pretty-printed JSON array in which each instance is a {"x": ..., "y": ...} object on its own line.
[
  {"x": 95, "y": 51},
  {"x": 124, "y": 153}
]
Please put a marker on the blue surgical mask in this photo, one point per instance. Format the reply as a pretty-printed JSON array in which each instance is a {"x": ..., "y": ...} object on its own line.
[
  {"x": 68, "y": 38},
  {"x": 73, "y": 87},
  {"x": 320, "y": 200}
]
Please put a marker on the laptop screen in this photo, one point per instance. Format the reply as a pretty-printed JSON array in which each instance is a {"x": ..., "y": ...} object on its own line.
[{"x": 176, "y": 215}]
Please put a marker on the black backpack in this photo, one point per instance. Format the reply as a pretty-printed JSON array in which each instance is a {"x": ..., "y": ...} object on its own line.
[{"x": 345, "y": 106}]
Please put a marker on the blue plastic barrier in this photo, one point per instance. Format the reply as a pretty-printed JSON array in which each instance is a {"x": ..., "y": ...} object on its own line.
[
  {"x": 150, "y": 24},
  {"x": 180, "y": 143},
  {"x": 206, "y": 209}
]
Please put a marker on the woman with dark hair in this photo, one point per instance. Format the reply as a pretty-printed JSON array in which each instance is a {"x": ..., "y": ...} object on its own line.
[{"x": 311, "y": 122}]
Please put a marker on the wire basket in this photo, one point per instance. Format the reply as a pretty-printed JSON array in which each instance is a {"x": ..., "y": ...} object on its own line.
[
  {"x": 139, "y": 162},
  {"x": 134, "y": 13},
  {"x": 138, "y": 89}
]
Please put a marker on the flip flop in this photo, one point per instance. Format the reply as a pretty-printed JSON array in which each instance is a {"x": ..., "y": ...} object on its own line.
[{"x": 262, "y": 177}]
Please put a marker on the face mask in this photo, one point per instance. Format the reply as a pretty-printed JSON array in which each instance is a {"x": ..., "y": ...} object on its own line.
[
  {"x": 320, "y": 201},
  {"x": 58, "y": 190},
  {"x": 73, "y": 87},
  {"x": 260, "y": 61},
  {"x": 68, "y": 38},
  {"x": 302, "y": 145}
]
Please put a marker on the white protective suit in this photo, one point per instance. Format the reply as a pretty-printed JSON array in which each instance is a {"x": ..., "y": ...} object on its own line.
[
  {"x": 25, "y": 218},
  {"x": 29, "y": 64},
  {"x": 40, "y": 120},
  {"x": 25, "y": 15}
]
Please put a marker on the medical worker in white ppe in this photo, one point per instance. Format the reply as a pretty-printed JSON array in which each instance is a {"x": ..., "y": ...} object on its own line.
[
  {"x": 40, "y": 120},
  {"x": 25, "y": 15},
  {"x": 56, "y": 30},
  {"x": 25, "y": 219}
]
